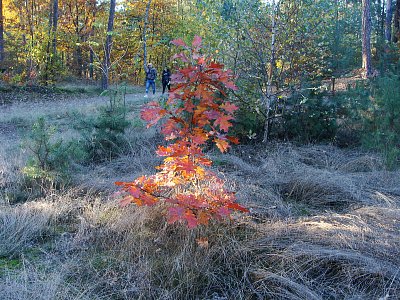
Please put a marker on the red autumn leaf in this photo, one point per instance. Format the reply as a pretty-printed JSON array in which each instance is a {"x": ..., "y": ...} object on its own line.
[
  {"x": 178, "y": 42},
  {"x": 148, "y": 199},
  {"x": 237, "y": 206},
  {"x": 181, "y": 56},
  {"x": 200, "y": 60},
  {"x": 229, "y": 107},
  {"x": 189, "y": 106},
  {"x": 230, "y": 85},
  {"x": 175, "y": 213},
  {"x": 233, "y": 140},
  {"x": 190, "y": 219},
  {"x": 134, "y": 191},
  {"x": 186, "y": 165},
  {"x": 212, "y": 114},
  {"x": 204, "y": 161},
  {"x": 196, "y": 42},
  {"x": 125, "y": 201},
  {"x": 215, "y": 65},
  {"x": 177, "y": 78},
  {"x": 169, "y": 129},
  {"x": 223, "y": 122},
  {"x": 223, "y": 211}
]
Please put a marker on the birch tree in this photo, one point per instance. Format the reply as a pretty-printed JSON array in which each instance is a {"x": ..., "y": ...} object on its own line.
[
  {"x": 366, "y": 38},
  {"x": 1, "y": 33},
  {"x": 146, "y": 22}
]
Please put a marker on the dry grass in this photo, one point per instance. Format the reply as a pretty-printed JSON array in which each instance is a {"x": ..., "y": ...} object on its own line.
[
  {"x": 20, "y": 225},
  {"x": 324, "y": 224},
  {"x": 11, "y": 179}
]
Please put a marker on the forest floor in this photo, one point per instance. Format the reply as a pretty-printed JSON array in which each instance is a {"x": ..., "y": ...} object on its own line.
[{"x": 324, "y": 223}]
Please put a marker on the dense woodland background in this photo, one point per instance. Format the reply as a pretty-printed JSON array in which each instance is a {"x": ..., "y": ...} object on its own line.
[
  {"x": 317, "y": 166},
  {"x": 278, "y": 50}
]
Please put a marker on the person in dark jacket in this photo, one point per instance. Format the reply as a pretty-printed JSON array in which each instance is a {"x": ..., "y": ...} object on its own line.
[
  {"x": 151, "y": 75},
  {"x": 166, "y": 79}
]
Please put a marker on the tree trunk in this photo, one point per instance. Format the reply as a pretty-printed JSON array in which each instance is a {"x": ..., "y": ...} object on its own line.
[
  {"x": 271, "y": 68},
  {"x": 48, "y": 58},
  {"x": 78, "y": 58},
  {"x": 146, "y": 22},
  {"x": 366, "y": 38},
  {"x": 91, "y": 53},
  {"x": 396, "y": 23},
  {"x": 54, "y": 27},
  {"x": 91, "y": 63},
  {"x": 388, "y": 21},
  {"x": 1, "y": 34},
  {"x": 107, "y": 47}
]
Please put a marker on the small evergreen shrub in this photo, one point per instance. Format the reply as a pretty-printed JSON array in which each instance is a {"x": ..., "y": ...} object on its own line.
[
  {"x": 382, "y": 120},
  {"x": 248, "y": 126},
  {"x": 368, "y": 115},
  {"x": 102, "y": 135},
  {"x": 307, "y": 118},
  {"x": 49, "y": 159}
]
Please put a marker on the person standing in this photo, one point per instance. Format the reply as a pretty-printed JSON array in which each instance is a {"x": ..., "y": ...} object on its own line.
[
  {"x": 151, "y": 74},
  {"x": 166, "y": 80}
]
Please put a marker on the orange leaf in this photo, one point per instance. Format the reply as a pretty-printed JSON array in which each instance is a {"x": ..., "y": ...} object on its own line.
[
  {"x": 199, "y": 136},
  {"x": 202, "y": 242},
  {"x": 203, "y": 217},
  {"x": 222, "y": 145},
  {"x": 152, "y": 113}
]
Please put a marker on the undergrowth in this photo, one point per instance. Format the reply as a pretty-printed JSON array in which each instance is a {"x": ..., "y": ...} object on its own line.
[{"x": 320, "y": 227}]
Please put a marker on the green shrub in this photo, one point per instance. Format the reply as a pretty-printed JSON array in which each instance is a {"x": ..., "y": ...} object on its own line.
[
  {"x": 103, "y": 135},
  {"x": 48, "y": 160},
  {"x": 369, "y": 114},
  {"x": 352, "y": 106},
  {"x": 307, "y": 117},
  {"x": 382, "y": 120},
  {"x": 249, "y": 125}
]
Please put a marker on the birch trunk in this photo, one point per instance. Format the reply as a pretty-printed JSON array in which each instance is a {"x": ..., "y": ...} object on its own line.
[
  {"x": 146, "y": 22},
  {"x": 366, "y": 38},
  {"x": 268, "y": 96},
  {"x": 1, "y": 33}
]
